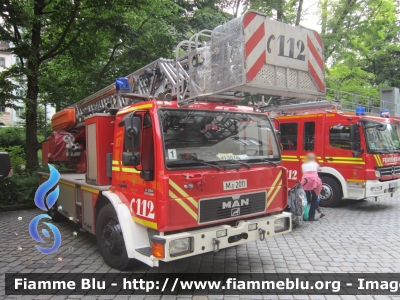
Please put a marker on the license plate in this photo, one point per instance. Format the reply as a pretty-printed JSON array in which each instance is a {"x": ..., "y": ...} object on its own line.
[
  {"x": 393, "y": 185},
  {"x": 235, "y": 184}
]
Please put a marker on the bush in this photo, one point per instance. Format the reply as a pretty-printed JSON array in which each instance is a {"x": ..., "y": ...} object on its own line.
[
  {"x": 12, "y": 136},
  {"x": 21, "y": 187}
]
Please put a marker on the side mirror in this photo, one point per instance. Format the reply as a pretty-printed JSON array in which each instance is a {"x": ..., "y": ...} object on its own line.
[
  {"x": 355, "y": 139},
  {"x": 131, "y": 159},
  {"x": 5, "y": 165},
  {"x": 381, "y": 127},
  {"x": 132, "y": 132}
]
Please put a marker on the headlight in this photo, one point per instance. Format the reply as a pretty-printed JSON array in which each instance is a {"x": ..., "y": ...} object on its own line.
[
  {"x": 180, "y": 246},
  {"x": 282, "y": 224},
  {"x": 377, "y": 173}
]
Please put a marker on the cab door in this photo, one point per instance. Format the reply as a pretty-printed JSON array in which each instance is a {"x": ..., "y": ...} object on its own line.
[
  {"x": 290, "y": 144},
  {"x": 137, "y": 184},
  {"x": 339, "y": 156},
  {"x": 312, "y": 137}
]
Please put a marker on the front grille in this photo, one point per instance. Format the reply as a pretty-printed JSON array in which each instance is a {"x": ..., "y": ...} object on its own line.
[
  {"x": 231, "y": 206},
  {"x": 389, "y": 171}
]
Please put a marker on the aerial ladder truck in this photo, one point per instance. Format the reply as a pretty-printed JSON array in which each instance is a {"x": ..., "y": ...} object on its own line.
[{"x": 166, "y": 164}]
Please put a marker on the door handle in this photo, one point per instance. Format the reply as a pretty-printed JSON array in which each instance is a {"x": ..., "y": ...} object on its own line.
[{"x": 123, "y": 185}]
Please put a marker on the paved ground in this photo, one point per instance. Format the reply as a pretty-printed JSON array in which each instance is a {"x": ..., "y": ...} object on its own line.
[{"x": 357, "y": 236}]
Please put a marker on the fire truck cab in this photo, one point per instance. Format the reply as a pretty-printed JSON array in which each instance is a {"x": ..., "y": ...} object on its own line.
[{"x": 359, "y": 155}]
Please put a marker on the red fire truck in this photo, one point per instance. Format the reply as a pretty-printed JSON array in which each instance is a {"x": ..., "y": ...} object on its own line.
[
  {"x": 166, "y": 165},
  {"x": 358, "y": 154}
]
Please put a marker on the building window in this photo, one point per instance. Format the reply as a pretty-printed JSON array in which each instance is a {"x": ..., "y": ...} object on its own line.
[
  {"x": 309, "y": 136},
  {"x": 339, "y": 137},
  {"x": 289, "y": 136},
  {"x": 2, "y": 62},
  {"x": 2, "y": 109}
]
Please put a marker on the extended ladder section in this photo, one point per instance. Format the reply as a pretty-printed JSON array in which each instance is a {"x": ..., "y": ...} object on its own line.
[{"x": 249, "y": 55}]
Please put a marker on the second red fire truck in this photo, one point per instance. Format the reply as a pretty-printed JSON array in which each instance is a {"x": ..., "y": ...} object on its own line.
[{"x": 359, "y": 154}]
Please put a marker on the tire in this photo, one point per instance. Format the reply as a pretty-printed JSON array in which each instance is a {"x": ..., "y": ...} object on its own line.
[
  {"x": 331, "y": 193},
  {"x": 56, "y": 217},
  {"x": 110, "y": 240}
]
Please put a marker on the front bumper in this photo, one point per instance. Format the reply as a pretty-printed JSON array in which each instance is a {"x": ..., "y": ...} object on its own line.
[
  {"x": 204, "y": 240},
  {"x": 376, "y": 188}
]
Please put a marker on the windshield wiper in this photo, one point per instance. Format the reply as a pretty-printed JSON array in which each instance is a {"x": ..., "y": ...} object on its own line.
[
  {"x": 234, "y": 161},
  {"x": 380, "y": 151},
  {"x": 195, "y": 160},
  {"x": 266, "y": 160}
]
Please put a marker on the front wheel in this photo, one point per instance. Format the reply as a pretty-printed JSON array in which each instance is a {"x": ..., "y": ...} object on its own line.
[
  {"x": 109, "y": 238},
  {"x": 331, "y": 193}
]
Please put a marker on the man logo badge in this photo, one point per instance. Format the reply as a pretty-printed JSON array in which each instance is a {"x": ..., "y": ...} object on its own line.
[{"x": 235, "y": 212}]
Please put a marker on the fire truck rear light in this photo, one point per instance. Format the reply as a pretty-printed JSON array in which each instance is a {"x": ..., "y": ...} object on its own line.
[
  {"x": 221, "y": 233},
  {"x": 180, "y": 246},
  {"x": 158, "y": 247},
  {"x": 281, "y": 224},
  {"x": 377, "y": 173},
  {"x": 376, "y": 188},
  {"x": 252, "y": 227}
]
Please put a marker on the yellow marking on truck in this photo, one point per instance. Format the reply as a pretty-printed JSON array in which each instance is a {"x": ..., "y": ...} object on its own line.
[
  {"x": 143, "y": 106},
  {"x": 88, "y": 189},
  {"x": 130, "y": 170},
  {"x": 183, "y": 204},
  {"x": 115, "y": 169},
  {"x": 347, "y": 162},
  {"x": 67, "y": 183},
  {"x": 344, "y": 158},
  {"x": 290, "y": 158},
  {"x": 274, "y": 185},
  {"x": 298, "y": 117},
  {"x": 183, "y": 193},
  {"x": 378, "y": 160},
  {"x": 319, "y": 158},
  {"x": 115, "y": 162},
  {"x": 150, "y": 224},
  {"x": 355, "y": 180},
  {"x": 275, "y": 182},
  {"x": 275, "y": 193}
]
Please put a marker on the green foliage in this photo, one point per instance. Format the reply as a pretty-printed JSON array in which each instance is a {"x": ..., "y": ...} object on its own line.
[
  {"x": 20, "y": 188},
  {"x": 361, "y": 40},
  {"x": 12, "y": 136},
  {"x": 16, "y": 154},
  {"x": 352, "y": 79}
]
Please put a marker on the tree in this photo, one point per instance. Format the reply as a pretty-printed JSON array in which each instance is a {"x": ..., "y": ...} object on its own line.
[
  {"x": 41, "y": 30},
  {"x": 361, "y": 42},
  {"x": 95, "y": 61}
]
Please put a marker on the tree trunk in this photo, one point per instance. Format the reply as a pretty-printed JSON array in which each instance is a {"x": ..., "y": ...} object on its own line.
[
  {"x": 299, "y": 11},
  {"x": 32, "y": 144},
  {"x": 279, "y": 11}
]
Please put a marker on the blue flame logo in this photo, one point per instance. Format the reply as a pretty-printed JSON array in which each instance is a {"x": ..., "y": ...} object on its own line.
[{"x": 51, "y": 199}]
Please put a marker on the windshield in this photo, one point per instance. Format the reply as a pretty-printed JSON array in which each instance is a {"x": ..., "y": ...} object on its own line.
[
  {"x": 216, "y": 138},
  {"x": 382, "y": 141}
]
